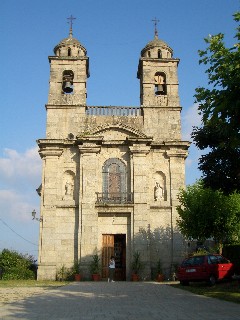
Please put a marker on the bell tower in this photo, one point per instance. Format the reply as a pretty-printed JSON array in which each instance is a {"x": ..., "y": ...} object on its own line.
[
  {"x": 157, "y": 72},
  {"x": 69, "y": 70}
]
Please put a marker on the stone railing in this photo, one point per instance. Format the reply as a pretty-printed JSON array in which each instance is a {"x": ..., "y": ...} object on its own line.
[
  {"x": 114, "y": 198},
  {"x": 113, "y": 111}
]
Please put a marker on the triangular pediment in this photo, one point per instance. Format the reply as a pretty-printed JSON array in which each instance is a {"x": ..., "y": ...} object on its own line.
[{"x": 117, "y": 131}]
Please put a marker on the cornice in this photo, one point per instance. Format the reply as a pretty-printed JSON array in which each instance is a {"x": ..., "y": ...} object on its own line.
[
  {"x": 48, "y": 152},
  {"x": 89, "y": 148}
]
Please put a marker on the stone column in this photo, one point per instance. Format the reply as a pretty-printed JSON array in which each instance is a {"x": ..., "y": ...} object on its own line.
[{"x": 47, "y": 243}]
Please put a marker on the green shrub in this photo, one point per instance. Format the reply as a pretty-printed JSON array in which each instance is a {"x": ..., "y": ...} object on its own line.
[
  {"x": 95, "y": 266},
  {"x": 16, "y": 266},
  {"x": 137, "y": 264}
]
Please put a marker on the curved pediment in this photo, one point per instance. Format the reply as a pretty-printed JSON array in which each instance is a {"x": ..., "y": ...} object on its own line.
[{"x": 117, "y": 131}]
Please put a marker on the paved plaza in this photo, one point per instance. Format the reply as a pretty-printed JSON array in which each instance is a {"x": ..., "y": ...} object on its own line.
[{"x": 119, "y": 300}]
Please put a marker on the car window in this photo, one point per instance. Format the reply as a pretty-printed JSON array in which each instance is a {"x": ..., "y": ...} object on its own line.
[
  {"x": 222, "y": 259},
  {"x": 212, "y": 259},
  {"x": 193, "y": 261},
  {"x": 198, "y": 260},
  {"x": 217, "y": 260},
  {"x": 187, "y": 262}
]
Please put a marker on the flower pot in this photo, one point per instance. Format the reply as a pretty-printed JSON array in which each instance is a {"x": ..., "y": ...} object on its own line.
[
  {"x": 160, "y": 277},
  {"x": 96, "y": 277},
  {"x": 135, "y": 277},
  {"x": 77, "y": 277}
]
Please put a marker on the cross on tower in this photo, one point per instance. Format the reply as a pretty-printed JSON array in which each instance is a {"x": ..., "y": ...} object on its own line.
[
  {"x": 155, "y": 27},
  {"x": 71, "y": 18}
]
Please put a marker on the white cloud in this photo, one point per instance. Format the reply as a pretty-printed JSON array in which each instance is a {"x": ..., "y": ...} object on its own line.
[
  {"x": 190, "y": 118},
  {"x": 15, "y": 206},
  {"x": 20, "y": 176},
  {"x": 16, "y": 164}
]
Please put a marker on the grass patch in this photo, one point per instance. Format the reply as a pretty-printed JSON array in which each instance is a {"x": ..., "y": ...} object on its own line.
[
  {"x": 228, "y": 291},
  {"x": 31, "y": 283}
]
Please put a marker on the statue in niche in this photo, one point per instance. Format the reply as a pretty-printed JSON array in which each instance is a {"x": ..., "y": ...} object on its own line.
[
  {"x": 158, "y": 192},
  {"x": 68, "y": 190}
]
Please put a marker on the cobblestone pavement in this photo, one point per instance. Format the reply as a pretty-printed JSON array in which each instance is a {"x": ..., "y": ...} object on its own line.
[{"x": 111, "y": 301}]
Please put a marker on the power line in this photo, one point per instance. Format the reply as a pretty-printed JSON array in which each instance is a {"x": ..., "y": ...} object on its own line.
[{"x": 17, "y": 233}]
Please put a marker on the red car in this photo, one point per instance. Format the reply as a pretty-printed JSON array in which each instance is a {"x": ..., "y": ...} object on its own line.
[{"x": 209, "y": 267}]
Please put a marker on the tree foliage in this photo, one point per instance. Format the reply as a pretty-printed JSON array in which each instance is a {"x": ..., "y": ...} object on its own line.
[
  {"x": 219, "y": 107},
  {"x": 16, "y": 266},
  {"x": 205, "y": 213}
]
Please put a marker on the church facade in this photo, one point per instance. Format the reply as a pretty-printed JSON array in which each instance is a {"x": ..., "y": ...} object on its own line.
[{"x": 111, "y": 175}]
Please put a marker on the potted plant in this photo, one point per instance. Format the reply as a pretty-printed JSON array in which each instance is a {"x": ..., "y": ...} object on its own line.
[
  {"x": 76, "y": 271},
  {"x": 62, "y": 273},
  {"x": 95, "y": 267},
  {"x": 137, "y": 266},
  {"x": 160, "y": 276}
]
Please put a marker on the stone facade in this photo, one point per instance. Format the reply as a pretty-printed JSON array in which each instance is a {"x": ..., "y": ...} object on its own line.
[{"x": 111, "y": 175}]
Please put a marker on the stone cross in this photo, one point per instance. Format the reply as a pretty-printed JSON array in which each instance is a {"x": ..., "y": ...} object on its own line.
[
  {"x": 71, "y": 18},
  {"x": 155, "y": 27}
]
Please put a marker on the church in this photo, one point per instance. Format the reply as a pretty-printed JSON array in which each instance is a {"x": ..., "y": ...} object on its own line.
[{"x": 111, "y": 174}]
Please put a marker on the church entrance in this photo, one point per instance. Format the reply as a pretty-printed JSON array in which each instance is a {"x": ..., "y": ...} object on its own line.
[{"x": 114, "y": 245}]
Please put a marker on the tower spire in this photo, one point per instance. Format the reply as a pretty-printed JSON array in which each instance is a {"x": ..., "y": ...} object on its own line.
[
  {"x": 71, "y": 18},
  {"x": 155, "y": 28}
]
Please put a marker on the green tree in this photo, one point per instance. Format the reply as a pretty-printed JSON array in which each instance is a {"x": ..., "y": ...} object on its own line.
[
  {"x": 205, "y": 213},
  {"x": 219, "y": 107},
  {"x": 16, "y": 266}
]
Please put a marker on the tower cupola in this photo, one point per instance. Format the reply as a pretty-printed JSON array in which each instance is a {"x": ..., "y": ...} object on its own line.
[
  {"x": 157, "y": 49},
  {"x": 70, "y": 47}
]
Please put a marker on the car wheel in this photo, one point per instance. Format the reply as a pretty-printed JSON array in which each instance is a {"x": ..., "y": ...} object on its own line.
[
  {"x": 212, "y": 280},
  {"x": 184, "y": 283}
]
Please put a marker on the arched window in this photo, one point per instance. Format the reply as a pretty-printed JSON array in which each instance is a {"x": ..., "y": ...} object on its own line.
[
  {"x": 69, "y": 52},
  {"x": 114, "y": 180},
  {"x": 159, "y": 54}
]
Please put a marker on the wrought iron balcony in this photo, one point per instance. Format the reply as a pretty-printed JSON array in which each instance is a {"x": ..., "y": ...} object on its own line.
[{"x": 114, "y": 198}]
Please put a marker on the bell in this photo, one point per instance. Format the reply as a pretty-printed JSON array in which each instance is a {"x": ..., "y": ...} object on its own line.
[
  {"x": 67, "y": 87},
  {"x": 159, "y": 90}
]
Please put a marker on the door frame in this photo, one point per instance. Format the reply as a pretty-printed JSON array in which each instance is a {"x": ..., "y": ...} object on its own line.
[{"x": 116, "y": 245}]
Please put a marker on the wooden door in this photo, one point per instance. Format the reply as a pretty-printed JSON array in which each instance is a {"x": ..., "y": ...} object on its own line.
[
  {"x": 107, "y": 252},
  {"x": 114, "y": 245}
]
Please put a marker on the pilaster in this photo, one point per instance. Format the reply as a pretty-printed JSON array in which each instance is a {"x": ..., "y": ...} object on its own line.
[
  {"x": 88, "y": 238},
  {"x": 140, "y": 225}
]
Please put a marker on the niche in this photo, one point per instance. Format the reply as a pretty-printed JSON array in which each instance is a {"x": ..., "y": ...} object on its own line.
[
  {"x": 159, "y": 186},
  {"x": 68, "y": 185}
]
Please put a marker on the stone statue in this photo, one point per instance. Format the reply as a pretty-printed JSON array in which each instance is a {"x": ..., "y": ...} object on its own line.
[
  {"x": 68, "y": 189},
  {"x": 158, "y": 192}
]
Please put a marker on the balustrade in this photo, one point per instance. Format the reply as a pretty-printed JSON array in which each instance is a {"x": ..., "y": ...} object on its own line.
[
  {"x": 113, "y": 111},
  {"x": 114, "y": 198}
]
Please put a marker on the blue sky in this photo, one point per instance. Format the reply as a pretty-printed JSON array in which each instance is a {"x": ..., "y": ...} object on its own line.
[{"x": 113, "y": 32}]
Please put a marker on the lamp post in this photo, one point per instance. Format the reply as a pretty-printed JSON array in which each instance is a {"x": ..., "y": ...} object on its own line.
[{"x": 34, "y": 216}]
